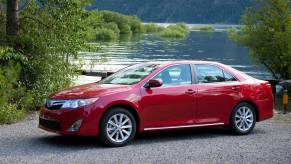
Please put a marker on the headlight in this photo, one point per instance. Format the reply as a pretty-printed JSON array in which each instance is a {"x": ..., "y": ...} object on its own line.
[{"x": 78, "y": 103}]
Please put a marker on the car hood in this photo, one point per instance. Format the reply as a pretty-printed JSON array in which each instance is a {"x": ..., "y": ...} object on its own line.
[{"x": 89, "y": 90}]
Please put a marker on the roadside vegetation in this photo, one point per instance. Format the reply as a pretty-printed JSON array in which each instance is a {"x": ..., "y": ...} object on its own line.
[
  {"x": 35, "y": 46},
  {"x": 267, "y": 33},
  {"x": 203, "y": 28}
]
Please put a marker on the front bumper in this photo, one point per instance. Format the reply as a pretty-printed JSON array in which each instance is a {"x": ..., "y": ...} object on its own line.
[{"x": 60, "y": 121}]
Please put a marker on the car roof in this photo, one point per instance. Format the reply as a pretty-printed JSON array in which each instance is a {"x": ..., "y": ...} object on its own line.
[
  {"x": 238, "y": 74},
  {"x": 164, "y": 63}
]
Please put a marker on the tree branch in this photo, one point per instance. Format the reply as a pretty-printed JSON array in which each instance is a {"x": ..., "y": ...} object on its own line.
[
  {"x": 269, "y": 68},
  {"x": 35, "y": 20}
]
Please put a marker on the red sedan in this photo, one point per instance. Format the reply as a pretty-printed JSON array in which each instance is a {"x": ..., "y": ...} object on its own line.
[{"x": 159, "y": 96}]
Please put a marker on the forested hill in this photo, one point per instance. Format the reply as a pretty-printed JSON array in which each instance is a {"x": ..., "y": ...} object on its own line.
[{"x": 189, "y": 11}]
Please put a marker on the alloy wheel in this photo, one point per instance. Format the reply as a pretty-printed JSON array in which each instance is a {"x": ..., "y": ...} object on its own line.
[
  {"x": 244, "y": 118},
  {"x": 119, "y": 127}
]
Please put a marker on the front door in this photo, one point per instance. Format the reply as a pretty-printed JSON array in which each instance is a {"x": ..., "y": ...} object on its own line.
[{"x": 173, "y": 103}]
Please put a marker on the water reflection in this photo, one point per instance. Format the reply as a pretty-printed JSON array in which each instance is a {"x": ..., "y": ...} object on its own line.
[{"x": 197, "y": 46}]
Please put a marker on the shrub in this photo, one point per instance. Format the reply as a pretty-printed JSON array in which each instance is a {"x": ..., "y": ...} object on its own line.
[
  {"x": 179, "y": 30},
  {"x": 182, "y": 27},
  {"x": 204, "y": 28},
  {"x": 121, "y": 20},
  {"x": 172, "y": 33},
  {"x": 104, "y": 34},
  {"x": 125, "y": 29},
  {"x": 14, "y": 97},
  {"x": 135, "y": 25},
  {"x": 152, "y": 28},
  {"x": 112, "y": 26},
  {"x": 10, "y": 114},
  {"x": 126, "y": 24}
]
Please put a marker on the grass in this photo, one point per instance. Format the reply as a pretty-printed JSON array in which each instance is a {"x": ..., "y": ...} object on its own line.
[
  {"x": 10, "y": 114},
  {"x": 203, "y": 28}
]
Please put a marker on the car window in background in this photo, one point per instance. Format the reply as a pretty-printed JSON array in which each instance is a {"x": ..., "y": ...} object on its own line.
[
  {"x": 175, "y": 75},
  {"x": 131, "y": 75},
  {"x": 209, "y": 73}
]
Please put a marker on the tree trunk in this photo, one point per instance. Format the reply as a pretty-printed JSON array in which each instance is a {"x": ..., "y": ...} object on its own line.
[{"x": 12, "y": 18}]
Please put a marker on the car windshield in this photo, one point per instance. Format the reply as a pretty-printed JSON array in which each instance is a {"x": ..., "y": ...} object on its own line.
[{"x": 131, "y": 75}]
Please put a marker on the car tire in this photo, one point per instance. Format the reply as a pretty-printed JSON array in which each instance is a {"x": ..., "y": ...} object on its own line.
[
  {"x": 243, "y": 119},
  {"x": 117, "y": 128}
]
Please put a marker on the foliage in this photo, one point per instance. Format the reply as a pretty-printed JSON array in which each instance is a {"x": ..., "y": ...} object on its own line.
[
  {"x": 178, "y": 30},
  {"x": 118, "y": 26},
  {"x": 51, "y": 32},
  {"x": 14, "y": 97},
  {"x": 114, "y": 24},
  {"x": 203, "y": 28},
  {"x": 106, "y": 35},
  {"x": 10, "y": 113},
  {"x": 152, "y": 28},
  {"x": 91, "y": 23},
  {"x": 267, "y": 33},
  {"x": 122, "y": 21},
  {"x": 135, "y": 25},
  {"x": 12, "y": 90}
]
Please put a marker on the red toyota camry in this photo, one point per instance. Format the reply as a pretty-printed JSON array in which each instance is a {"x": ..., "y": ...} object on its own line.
[{"x": 159, "y": 96}]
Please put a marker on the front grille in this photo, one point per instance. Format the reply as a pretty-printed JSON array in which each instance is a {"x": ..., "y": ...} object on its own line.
[
  {"x": 54, "y": 104},
  {"x": 54, "y": 125}
]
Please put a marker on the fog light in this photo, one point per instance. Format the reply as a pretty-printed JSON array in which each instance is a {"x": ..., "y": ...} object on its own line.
[{"x": 75, "y": 126}]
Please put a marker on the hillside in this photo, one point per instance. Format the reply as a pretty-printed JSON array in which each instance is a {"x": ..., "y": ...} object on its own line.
[{"x": 189, "y": 11}]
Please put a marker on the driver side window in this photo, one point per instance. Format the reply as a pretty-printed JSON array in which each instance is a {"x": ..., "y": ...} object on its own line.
[{"x": 175, "y": 75}]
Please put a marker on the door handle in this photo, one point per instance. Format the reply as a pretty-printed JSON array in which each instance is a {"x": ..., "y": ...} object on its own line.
[{"x": 190, "y": 91}]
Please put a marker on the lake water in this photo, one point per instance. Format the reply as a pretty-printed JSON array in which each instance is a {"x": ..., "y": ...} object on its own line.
[{"x": 213, "y": 46}]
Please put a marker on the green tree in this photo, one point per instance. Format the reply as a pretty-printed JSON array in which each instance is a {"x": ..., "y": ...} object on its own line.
[
  {"x": 266, "y": 31},
  {"x": 46, "y": 33}
]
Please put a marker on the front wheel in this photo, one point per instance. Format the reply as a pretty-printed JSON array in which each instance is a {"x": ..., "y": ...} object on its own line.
[
  {"x": 243, "y": 119},
  {"x": 117, "y": 127}
]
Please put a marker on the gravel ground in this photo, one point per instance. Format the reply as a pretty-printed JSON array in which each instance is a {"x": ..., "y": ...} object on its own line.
[{"x": 270, "y": 142}]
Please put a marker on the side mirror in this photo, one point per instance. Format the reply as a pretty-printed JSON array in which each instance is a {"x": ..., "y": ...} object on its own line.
[{"x": 153, "y": 83}]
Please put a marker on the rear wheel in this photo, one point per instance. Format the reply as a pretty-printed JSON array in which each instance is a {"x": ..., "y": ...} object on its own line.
[
  {"x": 118, "y": 127},
  {"x": 243, "y": 119}
]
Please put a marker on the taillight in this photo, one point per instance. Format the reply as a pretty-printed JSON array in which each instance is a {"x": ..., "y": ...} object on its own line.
[{"x": 268, "y": 87}]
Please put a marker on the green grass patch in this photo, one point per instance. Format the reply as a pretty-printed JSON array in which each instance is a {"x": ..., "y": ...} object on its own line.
[{"x": 10, "y": 114}]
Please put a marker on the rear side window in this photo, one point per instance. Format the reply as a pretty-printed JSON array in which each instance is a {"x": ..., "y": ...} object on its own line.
[
  {"x": 210, "y": 74},
  {"x": 228, "y": 77}
]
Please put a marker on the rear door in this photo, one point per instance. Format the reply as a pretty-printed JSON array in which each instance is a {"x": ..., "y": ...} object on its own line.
[{"x": 217, "y": 93}]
